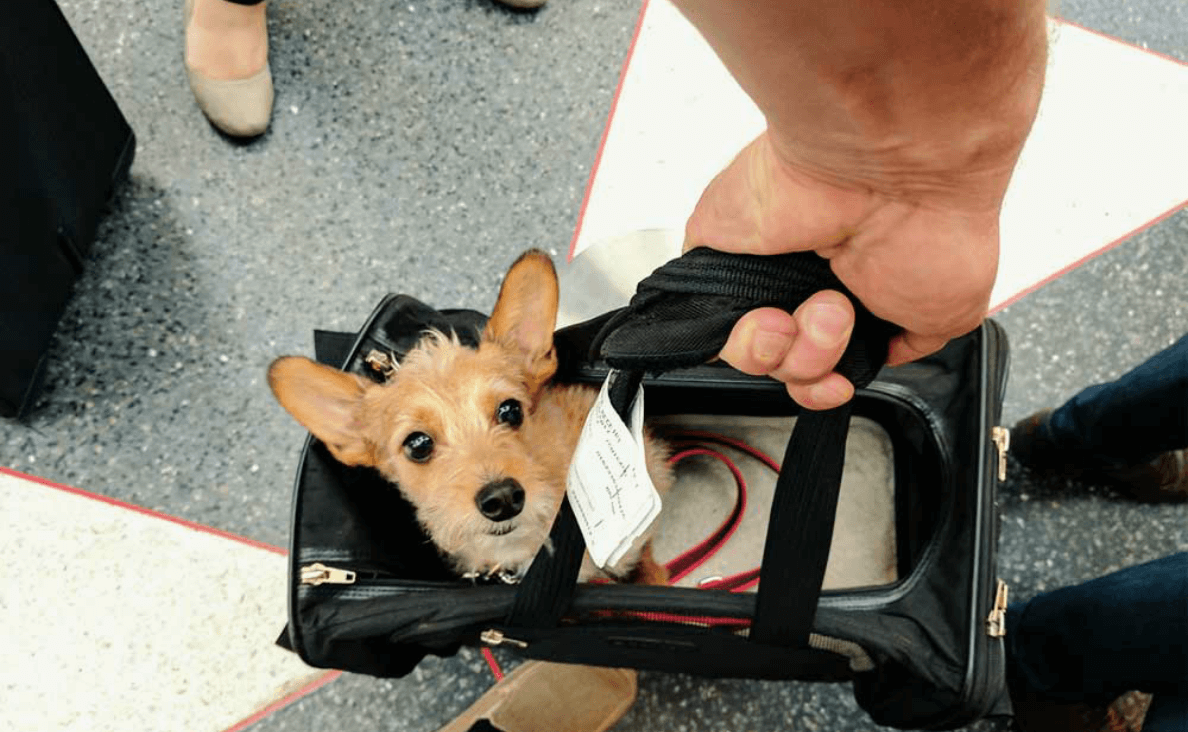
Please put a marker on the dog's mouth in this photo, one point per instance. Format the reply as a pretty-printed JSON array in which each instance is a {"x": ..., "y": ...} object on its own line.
[{"x": 501, "y": 529}]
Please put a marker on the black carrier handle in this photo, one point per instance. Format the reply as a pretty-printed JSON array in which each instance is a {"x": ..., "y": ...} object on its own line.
[{"x": 681, "y": 316}]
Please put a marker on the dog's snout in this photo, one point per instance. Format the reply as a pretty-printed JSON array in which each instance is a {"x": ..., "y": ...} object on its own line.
[{"x": 500, "y": 500}]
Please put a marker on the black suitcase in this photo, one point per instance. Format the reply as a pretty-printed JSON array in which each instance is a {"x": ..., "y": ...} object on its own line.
[
  {"x": 370, "y": 595},
  {"x": 64, "y": 145}
]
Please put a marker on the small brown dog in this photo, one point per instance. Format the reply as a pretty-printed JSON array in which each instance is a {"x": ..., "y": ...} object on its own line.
[{"x": 478, "y": 440}]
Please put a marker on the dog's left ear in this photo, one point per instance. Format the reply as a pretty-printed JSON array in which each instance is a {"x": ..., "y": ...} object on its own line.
[
  {"x": 326, "y": 402},
  {"x": 526, "y": 314}
]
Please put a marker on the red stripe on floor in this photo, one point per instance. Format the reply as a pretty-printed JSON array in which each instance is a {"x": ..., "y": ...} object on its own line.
[
  {"x": 1057, "y": 275},
  {"x": 146, "y": 511},
  {"x": 577, "y": 230},
  {"x": 286, "y": 701},
  {"x": 1116, "y": 39}
]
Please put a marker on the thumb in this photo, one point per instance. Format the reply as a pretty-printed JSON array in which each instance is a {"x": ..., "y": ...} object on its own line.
[{"x": 907, "y": 347}]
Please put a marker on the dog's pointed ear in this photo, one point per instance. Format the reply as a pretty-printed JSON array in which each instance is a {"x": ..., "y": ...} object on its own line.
[
  {"x": 326, "y": 402},
  {"x": 525, "y": 314}
]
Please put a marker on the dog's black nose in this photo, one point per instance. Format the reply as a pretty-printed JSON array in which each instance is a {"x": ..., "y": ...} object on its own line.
[{"x": 500, "y": 500}]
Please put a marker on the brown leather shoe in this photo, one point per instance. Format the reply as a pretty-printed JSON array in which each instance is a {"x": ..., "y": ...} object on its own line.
[
  {"x": 1033, "y": 714},
  {"x": 1128, "y": 712},
  {"x": 1124, "y": 714},
  {"x": 1163, "y": 480}
]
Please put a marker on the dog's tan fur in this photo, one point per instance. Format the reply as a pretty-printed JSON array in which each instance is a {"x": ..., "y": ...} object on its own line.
[{"x": 451, "y": 393}]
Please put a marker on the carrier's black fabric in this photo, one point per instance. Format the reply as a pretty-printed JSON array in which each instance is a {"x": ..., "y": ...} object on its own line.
[{"x": 935, "y": 664}]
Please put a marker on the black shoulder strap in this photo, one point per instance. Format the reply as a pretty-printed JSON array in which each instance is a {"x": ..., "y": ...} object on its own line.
[
  {"x": 548, "y": 586},
  {"x": 681, "y": 316}
]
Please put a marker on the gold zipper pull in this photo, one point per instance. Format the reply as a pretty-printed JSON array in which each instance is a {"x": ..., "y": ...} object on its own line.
[
  {"x": 494, "y": 637},
  {"x": 1002, "y": 441},
  {"x": 319, "y": 574},
  {"x": 996, "y": 623},
  {"x": 383, "y": 363}
]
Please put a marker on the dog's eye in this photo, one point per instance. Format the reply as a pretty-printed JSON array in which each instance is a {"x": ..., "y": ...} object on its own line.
[
  {"x": 418, "y": 447},
  {"x": 510, "y": 412}
]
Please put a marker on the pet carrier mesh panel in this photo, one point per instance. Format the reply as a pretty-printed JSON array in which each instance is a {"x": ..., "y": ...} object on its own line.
[{"x": 863, "y": 551}]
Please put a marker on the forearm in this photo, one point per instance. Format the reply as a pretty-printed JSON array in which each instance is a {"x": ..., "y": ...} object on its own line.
[{"x": 875, "y": 92}]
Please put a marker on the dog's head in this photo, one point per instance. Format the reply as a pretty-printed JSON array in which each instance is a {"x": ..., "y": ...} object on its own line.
[{"x": 457, "y": 429}]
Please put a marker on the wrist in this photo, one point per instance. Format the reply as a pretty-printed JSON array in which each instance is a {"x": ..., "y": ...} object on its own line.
[{"x": 906, "y": 99}]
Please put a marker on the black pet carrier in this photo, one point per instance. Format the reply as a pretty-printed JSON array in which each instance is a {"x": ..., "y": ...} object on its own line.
[{"x": 922, "y": 646}]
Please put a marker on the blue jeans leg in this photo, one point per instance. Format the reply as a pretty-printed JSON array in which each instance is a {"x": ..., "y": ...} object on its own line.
[
  {"x": 1094, "y": 641},
  {"x": 1168, "y": 713},
  {"x": 1131, "y": 420}
]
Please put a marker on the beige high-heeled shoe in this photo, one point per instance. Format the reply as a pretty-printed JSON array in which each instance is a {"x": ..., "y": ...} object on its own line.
[{"x": 238, "y": 107}]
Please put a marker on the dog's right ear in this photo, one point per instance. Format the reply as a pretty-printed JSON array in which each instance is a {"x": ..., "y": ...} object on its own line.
[{"x": 326, "y": 402}]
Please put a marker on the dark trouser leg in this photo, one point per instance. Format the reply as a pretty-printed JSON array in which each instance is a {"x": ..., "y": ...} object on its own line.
[
  {"x": 1168, "y": 713},
  {"x": 1129, "y": 421},
  {"x": 1095, "y": 641}
]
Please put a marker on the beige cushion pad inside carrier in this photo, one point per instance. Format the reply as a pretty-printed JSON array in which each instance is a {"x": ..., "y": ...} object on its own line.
[{"x": 863, "y": 552}]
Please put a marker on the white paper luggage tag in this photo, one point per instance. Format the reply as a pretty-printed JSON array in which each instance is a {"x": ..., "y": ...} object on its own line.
[{"x": 608, "y": 485}]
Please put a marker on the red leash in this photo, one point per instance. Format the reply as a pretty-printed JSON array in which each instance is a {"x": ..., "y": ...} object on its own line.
[
  {"x": 692, "y": 558},
  {"x": 682, "y": 565}
]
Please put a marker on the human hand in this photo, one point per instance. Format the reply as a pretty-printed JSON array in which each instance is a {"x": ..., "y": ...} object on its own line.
[
  {"x": 923, "y": 258},
  {"x": 893, "y": 129}
]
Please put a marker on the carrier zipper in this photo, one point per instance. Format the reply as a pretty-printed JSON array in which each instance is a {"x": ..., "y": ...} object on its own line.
[
  {"x": 1002, "y": 441},
  {"x": 319, "y": 574},
  {"x": 493, "y": 637},
  {"x": 996, "y": 623}
]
